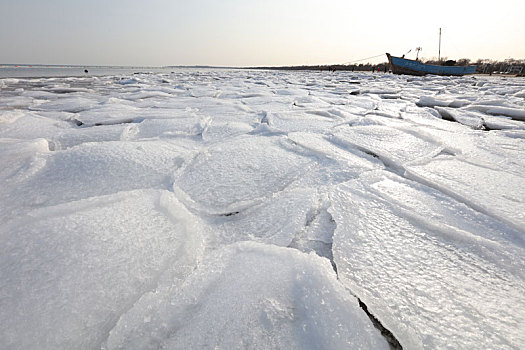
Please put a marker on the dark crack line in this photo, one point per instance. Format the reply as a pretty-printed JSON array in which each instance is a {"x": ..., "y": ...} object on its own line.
[
  {"x": 445, "y": 115},
  {"x": 388, "y": 164},
  {"x": 230, "y": 214},
  {"x": 392, "y": 341},
  {"x": 81, "y": 124},
  {"x": 389, "y": 337},
  {"x": 412, "y": 176}
]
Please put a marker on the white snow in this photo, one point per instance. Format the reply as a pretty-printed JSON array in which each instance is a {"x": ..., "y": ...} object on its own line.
[{"x": 245, "y": 209}]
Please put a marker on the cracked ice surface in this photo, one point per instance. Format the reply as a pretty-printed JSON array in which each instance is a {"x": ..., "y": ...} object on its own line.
[
  {"x": 69, "y": 271},
  {"x": 250, "y": 295},
  {"x": 210, "y": 208},
  {"x": 432, "y": 267}
]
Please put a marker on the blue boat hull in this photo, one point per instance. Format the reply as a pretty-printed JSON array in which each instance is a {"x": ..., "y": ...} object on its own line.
[{"x": 404, "y": 66}]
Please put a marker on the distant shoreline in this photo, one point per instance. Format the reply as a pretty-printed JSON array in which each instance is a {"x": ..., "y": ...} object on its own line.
[{"x": 43, "y": 71}]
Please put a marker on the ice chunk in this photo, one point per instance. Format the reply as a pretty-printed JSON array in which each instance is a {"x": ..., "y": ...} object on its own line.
[
  {"x": 251, "y": 296},
  {"x": 21, "y": 102},
  {"x": 129, "y": 81},
  {"x": 291, "y": 91},
  {"x": 430, "y": 118},
  {"x": 67, "y": 104},
  {"x": 509, "y": 111},
  {"x": 94, "y": 169},
  {"x": 432, "y": 270},
  {"x": 183, "y": 126},
  {"x": 394, "y": 147},
  {"x": 323, "y": 147},
  {"x": 30, "y": 125},
  {"x": 520, "y": 93},
  {"x": 108, "y": 114},
  {"x": 500, "y": 123},
  {"x": 20, "y": 159},
  {"x": 304, "y": 120},
  {"x": 469, "y": 118},
  {"x": 239, "y": 173},
  {"x": 514, "y": 113},
  {"x": 70, "y": 271},
  {"x": 275, "y": 221},
  {"x": 220, "y": 131},
  {"x": 494, "y": 192},
  {"x": 431, "y": 101},
  {"x": 7, "y": 117}
]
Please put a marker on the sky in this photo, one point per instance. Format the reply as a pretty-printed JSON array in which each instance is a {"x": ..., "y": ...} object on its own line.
[{"x": 255, "y": 32}]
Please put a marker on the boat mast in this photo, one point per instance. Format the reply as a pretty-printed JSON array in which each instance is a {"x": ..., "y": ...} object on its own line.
[{"x": 439, "y": 52}]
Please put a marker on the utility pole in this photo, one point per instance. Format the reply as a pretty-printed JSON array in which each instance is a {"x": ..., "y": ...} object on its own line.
[{"x": 439, "y": 52}]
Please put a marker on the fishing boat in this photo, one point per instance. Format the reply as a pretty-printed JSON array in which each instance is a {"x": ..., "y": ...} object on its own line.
[{"x": 400, "y": 65}]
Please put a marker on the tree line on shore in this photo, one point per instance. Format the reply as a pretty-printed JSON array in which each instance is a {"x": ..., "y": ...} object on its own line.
[
  {"x": 333, "y": 67},
  {"x": 488, "y": 66}
]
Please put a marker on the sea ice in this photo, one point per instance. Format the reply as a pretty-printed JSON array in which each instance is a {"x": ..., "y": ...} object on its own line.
[
  {"x": 216, "y": 208},
  {"x": 437, "y": 273},
  {"x": 86, "y": 170},
  {"x": 498, "y": 193},
  {"x": 236, "y": 174},
  {"x": 251, "y": 296},
  {"x": 70, "y": 271},
  {"x": 393, "y": 147}
]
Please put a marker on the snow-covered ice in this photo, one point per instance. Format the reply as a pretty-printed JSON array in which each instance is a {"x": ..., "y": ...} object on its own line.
[
  {"x": 439, "y": 273},
  {"x": 250, "y": 295},
  {"x": 246, "y": 209}
]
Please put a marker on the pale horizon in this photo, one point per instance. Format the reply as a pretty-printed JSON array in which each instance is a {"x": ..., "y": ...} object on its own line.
[{"x": 253, "y": 33}]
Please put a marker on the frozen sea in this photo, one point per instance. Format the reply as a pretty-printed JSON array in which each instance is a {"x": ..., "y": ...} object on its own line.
[{"x": 245, "y": 209}]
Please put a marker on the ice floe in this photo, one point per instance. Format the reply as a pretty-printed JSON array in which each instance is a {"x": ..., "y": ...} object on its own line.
[
  {"x": 250, "y": 296},
  {"x": 234, "y": 209},
  {"x": 438, "y": 273}
]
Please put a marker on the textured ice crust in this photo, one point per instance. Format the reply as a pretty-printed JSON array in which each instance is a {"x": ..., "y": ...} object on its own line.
[
  {"x": 245, "y": 209},
  {"x": 430, "y": 267},
  {"x": 250, "y": 296},
  {"x": 235, "y": 174},
  {"x": 70, "y": 271}
]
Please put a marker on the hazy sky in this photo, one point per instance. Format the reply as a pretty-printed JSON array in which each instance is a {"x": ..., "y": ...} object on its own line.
[{"x": 254, "y": 32}]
